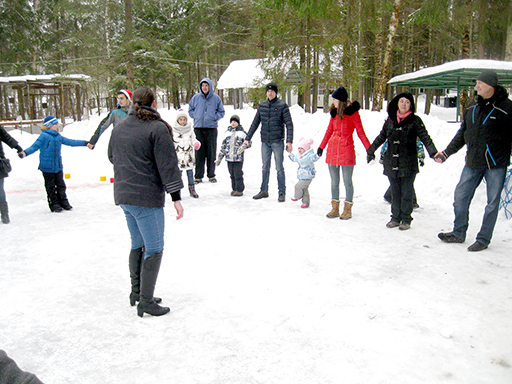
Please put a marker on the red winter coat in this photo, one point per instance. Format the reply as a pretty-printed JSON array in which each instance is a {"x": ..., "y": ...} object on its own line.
[{"x": 339, "y": 137}]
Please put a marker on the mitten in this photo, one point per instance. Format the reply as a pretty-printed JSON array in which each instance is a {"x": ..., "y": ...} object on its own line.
[
  {"x": 242, "y": 148},
  {"x": 370, "y": 157},
  {"x": 422, "y": 162},
  {"x": 218, "y": 161},
  {"x": 319, "y": 151},
  {"x": 197, "y": 145}
]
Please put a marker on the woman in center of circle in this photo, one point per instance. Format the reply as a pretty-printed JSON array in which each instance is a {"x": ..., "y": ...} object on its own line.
[
  {"x": 145, "y": 168},
  {"x": 340, "y": 149}
]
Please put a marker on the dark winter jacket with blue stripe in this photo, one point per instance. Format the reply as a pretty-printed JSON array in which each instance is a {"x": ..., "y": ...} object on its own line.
[
  {"x": 487, "y": 131},
  {"x": 273, "y": 115},
  {"x": 49, "y": 145}
]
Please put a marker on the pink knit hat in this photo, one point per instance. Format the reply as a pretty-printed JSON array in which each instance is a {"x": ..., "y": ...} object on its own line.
[{"x": 305, "y": 143}]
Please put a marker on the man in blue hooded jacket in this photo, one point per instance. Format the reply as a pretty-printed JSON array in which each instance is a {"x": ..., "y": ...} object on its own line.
[{"x": 206, "y": 109}]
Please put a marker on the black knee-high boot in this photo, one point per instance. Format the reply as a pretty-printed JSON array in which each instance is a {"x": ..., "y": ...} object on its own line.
[
  {"x": 4, "y": 210},
  {"x": 135, "y": 263},
  {"x": 148, "y": 277}
]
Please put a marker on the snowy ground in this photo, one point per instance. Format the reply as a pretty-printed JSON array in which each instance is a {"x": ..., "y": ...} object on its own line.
[{"x": 260, "y": 292}]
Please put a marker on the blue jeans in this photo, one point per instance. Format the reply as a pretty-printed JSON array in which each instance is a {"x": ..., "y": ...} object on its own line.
[
  {"x": 190, "y": 176},
  {"x": 266, "y": 156},
  {"x": 464, "y": 192},
  {"x": 347, "y": 171},
  {"x": 146, "y": 226}
]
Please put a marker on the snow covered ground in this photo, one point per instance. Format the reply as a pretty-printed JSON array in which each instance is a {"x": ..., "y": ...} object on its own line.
[{"x": 260, "y": 292}]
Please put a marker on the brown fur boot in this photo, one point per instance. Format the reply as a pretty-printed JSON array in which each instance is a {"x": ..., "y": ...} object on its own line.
[
  {"x": 347, "y": 211},
  {"x": 335, "y": 212}
]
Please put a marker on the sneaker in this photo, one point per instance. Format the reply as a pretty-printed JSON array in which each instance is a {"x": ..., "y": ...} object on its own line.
[
  {"x": 415, "y": 206},
  {"x": 260, "y": 195},
  {"x": 404, "y": 226},
  {"x": 294, "y": 199},
  {"x": 236, "y": 193},
  {"x": 281, "y": 198},
  {"x": 197, "y": 181},
  {"x": 450, "y": 237},
  {"x": 393, "y": 224},
  {"x": 212, "y": 179},
  {"x": 232, "y": 193},
  {"x": 304, "y": 206},
  {"x": 477, "y": 247}
]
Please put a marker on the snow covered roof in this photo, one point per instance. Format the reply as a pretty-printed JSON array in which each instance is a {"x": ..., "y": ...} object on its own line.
[
  {"x": 460, "y": 73},
  {"x": 44, "y": 78},
  {"x": 242, "y": 74}
]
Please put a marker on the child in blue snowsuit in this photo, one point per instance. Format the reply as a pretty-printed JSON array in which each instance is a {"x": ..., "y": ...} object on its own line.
[
  {"x": 306, "y": 172},
  {"x": 50, "y": 162}
]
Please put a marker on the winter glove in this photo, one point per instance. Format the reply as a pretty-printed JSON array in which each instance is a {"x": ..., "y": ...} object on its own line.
[
  {"x": 370, "y": 157},
  {"x": 218, "y": 161},
  {"x": 422, "y": 162},
  {"x": 319, "y": 152},
  {"x": 197, "y": 145},
  {"x": 242, "y": 148}
]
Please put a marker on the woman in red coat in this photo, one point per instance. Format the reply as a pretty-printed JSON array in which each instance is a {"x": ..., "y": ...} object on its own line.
[{"x": 340, "y": 149}]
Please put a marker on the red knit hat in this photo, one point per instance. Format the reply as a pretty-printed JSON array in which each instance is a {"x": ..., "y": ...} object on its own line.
[{"x": 127, "y": 93}]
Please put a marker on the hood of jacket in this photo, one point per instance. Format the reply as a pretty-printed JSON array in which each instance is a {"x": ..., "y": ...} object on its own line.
[
  {"x": 210, "y": 85},
  {"x": 349, "y": 110},
  {"x": 393, "y": 104},
  {"x": 500, "y": 94}
]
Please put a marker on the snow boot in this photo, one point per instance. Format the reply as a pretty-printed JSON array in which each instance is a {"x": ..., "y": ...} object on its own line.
[
  {"x": 335, "y": 212},
  {"x": 347, "y": 211},
  {"x": 4, "y": 210},
  {"x": 192, "y": 191},
  {"x": 148, "y": 277},
  {"x": 135, "y": 262}
]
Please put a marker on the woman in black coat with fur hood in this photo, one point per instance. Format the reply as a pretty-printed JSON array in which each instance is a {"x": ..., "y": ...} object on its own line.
[{"x": 401, "y": 129}]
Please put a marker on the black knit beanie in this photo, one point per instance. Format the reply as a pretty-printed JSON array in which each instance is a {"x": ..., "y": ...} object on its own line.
[
  {"x": 489, "y": 77},
  {"x": 235, "y": 118},
  {"x": 272, "y": 86},
  {"x": 340, "y": 94}
]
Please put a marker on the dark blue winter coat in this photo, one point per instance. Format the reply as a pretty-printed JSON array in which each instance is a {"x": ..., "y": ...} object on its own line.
[
  {"x": 273, "y": 115},
  {"x": 49, "y": 144},
  {"x": 206, "y": 110}
]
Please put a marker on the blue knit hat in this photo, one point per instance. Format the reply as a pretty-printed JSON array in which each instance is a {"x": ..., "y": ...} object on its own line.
[{"x": 50, "y": 121}]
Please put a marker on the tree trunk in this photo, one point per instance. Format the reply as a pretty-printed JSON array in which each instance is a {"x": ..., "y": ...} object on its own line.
[
  {"x": 386, "y": 62},
  {"x": 128, "y": 37}
]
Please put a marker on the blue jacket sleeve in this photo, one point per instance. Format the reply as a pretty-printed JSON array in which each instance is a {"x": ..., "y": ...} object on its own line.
[{"x": 34, "y": 147}]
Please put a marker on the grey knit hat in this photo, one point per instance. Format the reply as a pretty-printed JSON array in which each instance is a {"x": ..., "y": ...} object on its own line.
[{"x": 489, "y": 77}]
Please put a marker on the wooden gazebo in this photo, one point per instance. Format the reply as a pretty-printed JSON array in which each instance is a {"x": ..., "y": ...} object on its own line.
[{"x": 33, "y": 97}]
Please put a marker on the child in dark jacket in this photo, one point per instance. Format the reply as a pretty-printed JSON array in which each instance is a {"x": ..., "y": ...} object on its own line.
[
  {"x": 50, "y": 162},
  {"x": 233, "y": 149}
]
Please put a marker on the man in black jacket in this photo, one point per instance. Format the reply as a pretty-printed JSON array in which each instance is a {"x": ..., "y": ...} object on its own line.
[
  {"x": 487, "y": 132},
  {"x": 273, "y": 114}
]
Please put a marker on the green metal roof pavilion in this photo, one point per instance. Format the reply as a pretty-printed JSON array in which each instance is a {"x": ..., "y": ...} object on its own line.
[{"x": 460, "y": 74}]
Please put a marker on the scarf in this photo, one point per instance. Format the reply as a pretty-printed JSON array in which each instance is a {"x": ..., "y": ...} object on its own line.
[{"x": 400, "y": 117}]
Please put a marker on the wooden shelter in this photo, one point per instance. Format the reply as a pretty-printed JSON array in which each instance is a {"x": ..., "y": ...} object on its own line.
[{"x": 33, "y": 97}]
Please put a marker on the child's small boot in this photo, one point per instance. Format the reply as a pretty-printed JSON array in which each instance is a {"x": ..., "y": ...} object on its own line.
[
  {"x": 347, "y": 211},
  {"x": 335, "y": 212},
  {"x": 192, "y": 191}
]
